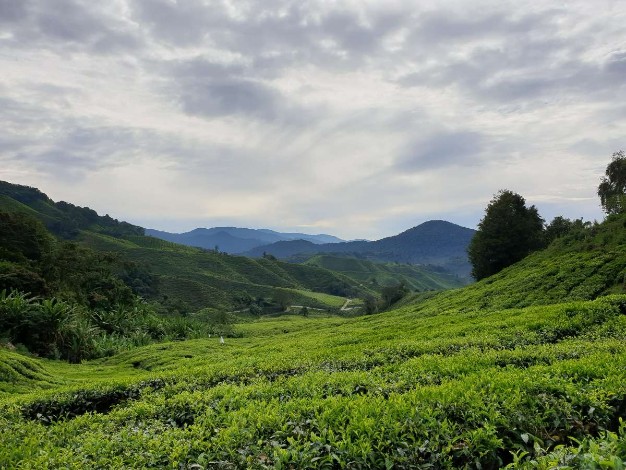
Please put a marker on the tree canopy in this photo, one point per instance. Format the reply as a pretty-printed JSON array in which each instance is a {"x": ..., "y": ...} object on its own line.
[
  {"x": 508, "y": 232},
  {"x": 612, "y": 188}
]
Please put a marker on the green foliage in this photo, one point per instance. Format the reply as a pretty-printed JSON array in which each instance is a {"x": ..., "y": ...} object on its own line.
[
  {"x": 23, "y": 278},
  {"x": 508, "y": 232},
  {"x": 397, "y": 390},
  {"x": 283, "y": 299},
  {"x": 612, "y": 188},
  {"x": 23, "y": 239},
  {"x": 56, "y": 329},
  {"x": 377, "y": 274},
  {"x": 607, "y": 451},
  {"x": 560, "y": 227},
  {"x": 86, "y": 276},
  {"x": 392, "y": 294},
  {"x": 63, "y": 219}
]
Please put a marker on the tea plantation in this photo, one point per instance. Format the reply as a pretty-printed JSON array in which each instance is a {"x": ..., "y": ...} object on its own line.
[
  {"x": 524, "y": 369},
  {"x": 419, "y": 387}
]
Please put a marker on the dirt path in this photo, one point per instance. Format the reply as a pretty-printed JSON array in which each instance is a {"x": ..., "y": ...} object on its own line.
[{"x": 345, "y": 306}]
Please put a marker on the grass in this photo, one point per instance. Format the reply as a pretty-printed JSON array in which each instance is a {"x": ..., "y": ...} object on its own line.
[{"x": 332, "y": 301}]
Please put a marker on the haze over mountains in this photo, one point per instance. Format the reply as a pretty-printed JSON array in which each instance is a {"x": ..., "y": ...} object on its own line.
[{"x": 235, "y": 240}]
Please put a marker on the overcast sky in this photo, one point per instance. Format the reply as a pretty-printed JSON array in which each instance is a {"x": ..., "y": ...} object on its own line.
[{"x": 356, "y": 118}]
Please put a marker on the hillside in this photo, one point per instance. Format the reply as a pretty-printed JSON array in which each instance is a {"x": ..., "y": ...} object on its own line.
[
  {"x": 434, "y": 242},
  {"x": 187, "y": 279},
  {"x": 581, "y": 265},
  {"x": 203, "y": 279},
  {"x": 376, "y": 274},
  {"x": 522, "y": 368},
  {"x": 236, "y": 240},
  {"x": 61, "y": 218}
]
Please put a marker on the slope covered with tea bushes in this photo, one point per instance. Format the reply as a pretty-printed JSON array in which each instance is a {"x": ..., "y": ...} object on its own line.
[
  {"x": 185, "y": 279},
  {"x": 526, "y": 368},
  {"x": 499, "y": 373},
  {"x": 378, "y": 274},
  {"x": 587, "y": 262}
]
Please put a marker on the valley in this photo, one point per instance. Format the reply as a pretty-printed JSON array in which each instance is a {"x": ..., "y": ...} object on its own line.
[{"x": 520, "y": 369}]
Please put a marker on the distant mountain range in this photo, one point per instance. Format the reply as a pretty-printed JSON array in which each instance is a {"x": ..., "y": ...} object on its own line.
[
  {"x": 235, "y": 240},
  {"x": 435, "y": 242}
]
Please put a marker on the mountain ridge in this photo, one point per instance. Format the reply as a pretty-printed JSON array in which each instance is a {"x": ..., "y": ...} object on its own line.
[
  {"x": 436, "y": 242},
  {"x": 236, "y": 240}
]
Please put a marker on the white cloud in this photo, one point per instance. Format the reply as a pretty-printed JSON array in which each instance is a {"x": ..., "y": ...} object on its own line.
[{"x": 358, "y": 118}]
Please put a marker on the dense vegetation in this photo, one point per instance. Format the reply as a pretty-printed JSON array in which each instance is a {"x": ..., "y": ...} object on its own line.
[
  {"x": 80, "y": 303},
  {"x": 179, "y": 278},
  {"x": 377, "y": 275},
  {"x": 520, "y": 369}
]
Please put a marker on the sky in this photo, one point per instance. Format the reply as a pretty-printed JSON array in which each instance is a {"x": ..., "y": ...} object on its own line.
[{"x": 356, "y": 118}]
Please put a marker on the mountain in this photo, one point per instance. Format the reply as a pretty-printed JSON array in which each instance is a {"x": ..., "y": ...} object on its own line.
[
  {"x": 435, "y": 242},
  {"x": 236, "y": 240}
]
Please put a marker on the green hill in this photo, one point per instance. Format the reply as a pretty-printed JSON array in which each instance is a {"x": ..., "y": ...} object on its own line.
[
  {"x": 208, "y": 279},
  {"x": 582, "y": 265},
  {"x": 376, "y": 274},
  {"x": 526, "y": 368},
  {"x": 188, "y": 278},
  {"x": 62, "y": 218}
]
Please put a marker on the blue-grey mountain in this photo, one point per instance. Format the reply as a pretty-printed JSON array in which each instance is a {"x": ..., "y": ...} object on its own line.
[
  {"x": 237, "y": 240},
  {"x": 435, "y": 242}
]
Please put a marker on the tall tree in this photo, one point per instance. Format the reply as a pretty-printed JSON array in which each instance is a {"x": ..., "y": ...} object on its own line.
[
  {"x": 508, "y": 232},
  {"x": 612, "y": 189}
]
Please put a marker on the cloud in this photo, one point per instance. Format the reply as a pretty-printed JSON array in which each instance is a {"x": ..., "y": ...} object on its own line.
[
  {"x": 461, "y": 148},
  {"x": 503, "y": 59},
  {"x": 11, "y": 11},
  {"x": 354, "y": 116},
  {"x": 67, "y": 26},
  {"x": 211, "y": 89}
]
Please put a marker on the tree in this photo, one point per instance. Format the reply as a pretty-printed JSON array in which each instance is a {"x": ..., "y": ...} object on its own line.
[
  {"x": 370, "y": 305},
  {"x": 23, "y": 238},
  {"x": 612, "y": 188},
  {"x": 392, "y": 294},
  {"x": 508, "y": 232},
  {"x": 283, "y": 299},
  {"x": 559, "y": 227}
]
